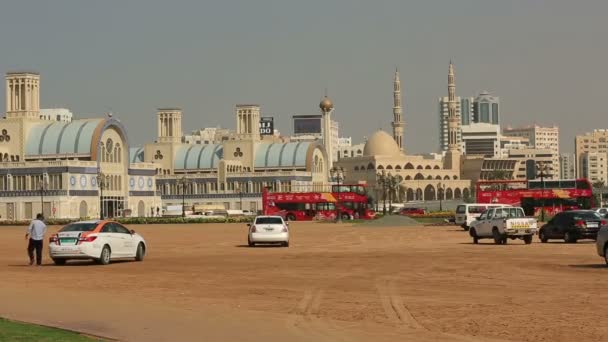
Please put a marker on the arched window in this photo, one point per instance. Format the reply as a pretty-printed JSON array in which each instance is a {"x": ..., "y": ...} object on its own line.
[
  {"x": 429, "y": 193},
  {"x": 455, "y": 177},
  {"x": 419, "y": 176},
  {"x": 380, "y": 167},
  {"x": 389, "y": 167},
  {"x": 356, "y": 168},
  {"x": 370, "y": 166},
  {"x": 429, "y": 177},
  {"x": 446, "y": 177},
  {"x": 408, "y": 177},
  {"x": 428, "y": 167},
  {"x": 398, "y": 167},
  {"x": 419, "y": 167},
  {"x": 438, "y": 177},
  {"x": 436, "y": 167},
  {"x": 409, "y": 166}
]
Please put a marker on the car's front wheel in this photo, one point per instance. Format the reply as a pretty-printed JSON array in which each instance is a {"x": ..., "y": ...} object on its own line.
[
  {"x": 141, "y": 252},
  {"x": 104, "y": 258},
  {"x": 285, "y": 244},
  {"x": 473, "y": 234},
  {"x": 59, "y": 262}
]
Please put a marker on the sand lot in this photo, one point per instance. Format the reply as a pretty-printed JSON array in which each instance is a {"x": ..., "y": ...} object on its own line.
[{"x": 335, "y": 283}]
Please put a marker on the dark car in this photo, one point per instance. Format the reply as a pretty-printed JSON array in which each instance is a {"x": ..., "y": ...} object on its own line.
[
  {"x": 412, "y": 211},
  {"x": 572, "y": 226}
]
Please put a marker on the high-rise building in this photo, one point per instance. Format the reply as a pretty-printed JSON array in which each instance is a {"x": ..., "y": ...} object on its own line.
[
  {"x": 398, "y": 123},
  {"x": 480, "y": 139},
  {"x": 596, "y": 141},
  {"x": 566, "y": 166},
  {"x": 486, "y": 108},
  {"x": 540, "y": 138},
  {"x": 594, "y": 167}
]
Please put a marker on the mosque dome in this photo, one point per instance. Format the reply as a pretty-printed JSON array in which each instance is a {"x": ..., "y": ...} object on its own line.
[
  {"x": 381, "y": 144},
  {"x": 326, "y": 105}
]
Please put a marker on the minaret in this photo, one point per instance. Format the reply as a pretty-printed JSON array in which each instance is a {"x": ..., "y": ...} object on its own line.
[
  {"x": 397, "y": 112},
  {"x": 327, "y": 107},
  {"x": 452, "y": 157}
]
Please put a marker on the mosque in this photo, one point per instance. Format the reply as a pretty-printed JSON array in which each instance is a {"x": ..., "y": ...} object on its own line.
[
  {"x": 417, "y": 177},
  {"x": 66, "y": 168}
]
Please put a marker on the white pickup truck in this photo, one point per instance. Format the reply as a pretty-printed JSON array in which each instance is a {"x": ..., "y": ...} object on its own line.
[{"x": 503, "y": 223}]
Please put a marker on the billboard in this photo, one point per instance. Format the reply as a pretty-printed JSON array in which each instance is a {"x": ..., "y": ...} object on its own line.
[
  {"x": 307, "y": 124},
  {"x": 267, "y": 125}
]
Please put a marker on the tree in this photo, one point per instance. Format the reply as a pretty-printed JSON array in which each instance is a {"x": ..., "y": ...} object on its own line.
[
  {"x": 499, "y": 175},
  {"x": 598, "y": 184}
]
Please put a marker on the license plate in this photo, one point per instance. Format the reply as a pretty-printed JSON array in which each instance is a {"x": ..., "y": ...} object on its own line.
[
  {"x": 268, "y": 229},
  {"x": 592, "y": 224},
  {"x": 67, "y": 240}
]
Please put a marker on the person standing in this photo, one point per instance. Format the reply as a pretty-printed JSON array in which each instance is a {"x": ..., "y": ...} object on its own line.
[{"x": 35, "y": 234}]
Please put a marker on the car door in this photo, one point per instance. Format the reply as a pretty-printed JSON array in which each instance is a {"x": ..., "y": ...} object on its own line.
[
  {"x": 118, "y": 240},
  {"x": 484, "y": 222},
  {"x": 128, "y": 240},
  {"x": 107, "y": 236},
  {"x": 553, "y": 229}
]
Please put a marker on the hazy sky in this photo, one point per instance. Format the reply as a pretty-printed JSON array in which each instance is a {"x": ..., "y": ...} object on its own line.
[{"x": 547, "y": 60}]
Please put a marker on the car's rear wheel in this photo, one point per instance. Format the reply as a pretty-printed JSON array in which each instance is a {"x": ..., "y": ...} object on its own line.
[
  {"x": 345, "y": 216},
  {"x": 498, "y": 238},
  {"x": 606, "y": 254},
  {"x": 528, "y": 239},
  {"x": 59, "y": 262},
  {"x": 105, "y": 256},
  {"x": 290, "y": 217},
  {"x": 569, "y": 237},
  {"x": 285, "y": 244},
  {"x": 141, "y": 252},
  {"x": 250, "y": 243},
  {"x": 542, "y": 237}
]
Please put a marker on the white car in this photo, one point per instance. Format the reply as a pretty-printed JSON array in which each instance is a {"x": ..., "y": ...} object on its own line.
[
  {"x": 268, "y": 229},
  {"x": 504, "y": 223},
  {"x": 100, "y": 240}
]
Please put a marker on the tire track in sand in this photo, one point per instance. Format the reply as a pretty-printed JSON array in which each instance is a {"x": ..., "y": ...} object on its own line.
[{"x": 394, "y": 307}]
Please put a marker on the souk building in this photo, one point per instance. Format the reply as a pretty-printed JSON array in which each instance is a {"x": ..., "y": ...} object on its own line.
[
  {"x": 231, "y": 173},
  {"x": 52, "y": 164}
]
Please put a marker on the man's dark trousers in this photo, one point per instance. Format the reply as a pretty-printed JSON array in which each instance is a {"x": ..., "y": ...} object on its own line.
[{"x": 35, "y": 245}]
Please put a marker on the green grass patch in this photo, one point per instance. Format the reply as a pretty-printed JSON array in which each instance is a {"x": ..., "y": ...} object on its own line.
[{"x": 15, "y": 331}]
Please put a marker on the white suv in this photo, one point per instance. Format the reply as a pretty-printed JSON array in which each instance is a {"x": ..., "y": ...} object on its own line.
[{"x": 268, "y": 229}]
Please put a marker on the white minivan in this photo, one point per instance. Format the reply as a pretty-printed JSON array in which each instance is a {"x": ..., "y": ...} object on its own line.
[{"x": 469, "y": 212}]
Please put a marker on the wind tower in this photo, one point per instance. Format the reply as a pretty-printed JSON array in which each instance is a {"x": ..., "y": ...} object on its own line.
[
  {"x": 23, "y": 95},
  {"x": 169, "y": 125}
]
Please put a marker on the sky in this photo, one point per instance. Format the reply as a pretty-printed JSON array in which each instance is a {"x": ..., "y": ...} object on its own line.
[{"x": 545, "y": 59}]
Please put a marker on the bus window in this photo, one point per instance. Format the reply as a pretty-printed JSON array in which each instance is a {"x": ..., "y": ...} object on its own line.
[{"x": 583, "y": 184}]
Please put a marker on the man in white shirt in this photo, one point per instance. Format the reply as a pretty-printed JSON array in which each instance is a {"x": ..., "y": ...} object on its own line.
[{"x": 35, "y": 233}]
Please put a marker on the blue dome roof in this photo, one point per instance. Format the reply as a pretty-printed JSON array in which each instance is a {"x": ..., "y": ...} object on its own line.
[
  {"x": 136, "y": 155},
  {"x": 192, "y": 157},
  {"x": 61, "y": 138},
  {"x": 274, "y": 155}
]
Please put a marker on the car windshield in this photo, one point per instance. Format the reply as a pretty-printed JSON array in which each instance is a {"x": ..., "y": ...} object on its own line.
[
  {"x": 460, "y": 209},
  {"x": 268, "y": 220},
  {"x": 476, "y": 209},
  {"x": 586, "y": 216},
  {"x": 79, "y": 227}
]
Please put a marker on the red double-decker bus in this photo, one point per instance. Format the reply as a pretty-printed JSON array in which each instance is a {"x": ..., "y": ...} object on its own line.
[
  {"x": 533, "y": 195},
  {"x": 351, "y": 201}
]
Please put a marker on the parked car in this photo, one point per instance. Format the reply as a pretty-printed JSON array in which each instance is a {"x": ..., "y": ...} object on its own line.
[
  {"x": 412, "y": 211},
  {"x": 601, "y": 243},
  {"x": 503, "y": 223},
  {"x": 100, "y": 240},
  {"x": 602, "y": 211},
  {"x": 572, "y": 226},
  {"x": 469, "y": 212},
  {"x": 268, "y": 229}
]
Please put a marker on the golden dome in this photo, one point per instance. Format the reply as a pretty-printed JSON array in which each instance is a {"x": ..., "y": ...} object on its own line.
[
  {"x": 381, "y": 144},
  {"x": 326, "y": 105}
]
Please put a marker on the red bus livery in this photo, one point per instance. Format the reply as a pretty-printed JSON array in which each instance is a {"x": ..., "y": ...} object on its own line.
[
  {"x": 532, "y": 195},
  {"x": 352, "y": 202}
]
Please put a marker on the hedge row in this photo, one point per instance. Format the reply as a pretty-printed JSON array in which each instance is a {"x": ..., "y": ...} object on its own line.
[{"x": 139, "y": 220}]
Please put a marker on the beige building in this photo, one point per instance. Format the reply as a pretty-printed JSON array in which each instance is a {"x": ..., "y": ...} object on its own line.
[
  {"x": 419, "y": 178},
  {"x": 594, "y": 167},
  {"x": 543, "y": 138},
  {"x": 593, "y": 142},
  {"x": 231, "y": 172},
  {"x": 55, "y": 166}
]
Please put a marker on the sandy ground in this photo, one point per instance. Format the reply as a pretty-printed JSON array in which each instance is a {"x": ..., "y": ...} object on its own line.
[{"x": 335, "y": 283}]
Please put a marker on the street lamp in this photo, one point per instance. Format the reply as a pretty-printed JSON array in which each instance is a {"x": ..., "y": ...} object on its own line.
[
  {"x": 440, "y": 194},
  {"x": 337, "y": 172},
  {"x": 183, "y": 181},
  {"x": 240, "y": 192},
  {"x": 43, "y": 186},
  {"x": 102, "y": 182},
  {"x": 542, "y": 171}
]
